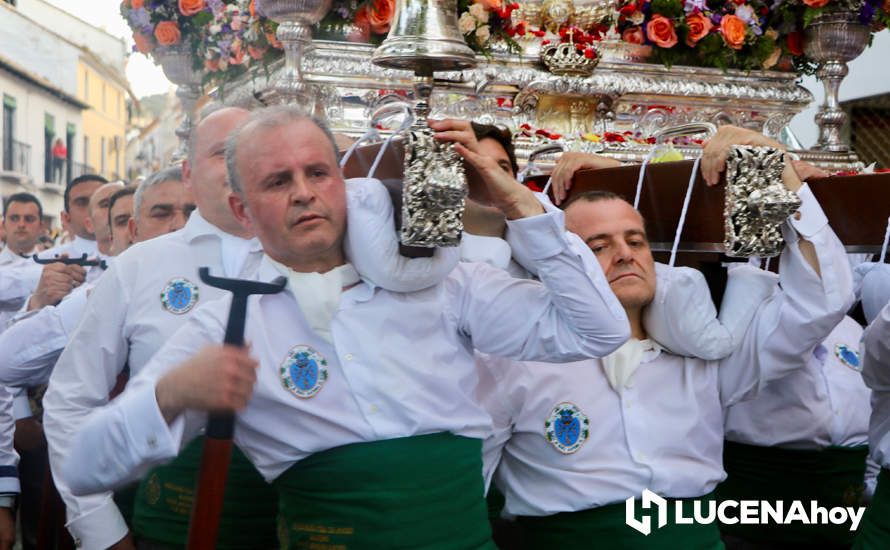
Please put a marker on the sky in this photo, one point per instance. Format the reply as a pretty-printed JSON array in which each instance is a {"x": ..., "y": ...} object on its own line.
[{"x": 145, "y": 77}]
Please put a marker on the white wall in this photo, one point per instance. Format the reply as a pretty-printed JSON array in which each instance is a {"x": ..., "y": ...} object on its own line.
[
  {"x": 869, "y": 75},
  {"x": 110, "y": 49},
  {"x": 32, "y": 103},
  {"x": 32, "y": 47}
]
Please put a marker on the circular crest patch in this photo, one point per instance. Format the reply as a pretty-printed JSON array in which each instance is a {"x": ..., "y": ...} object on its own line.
[
  {"x": 567, "y": 428},
  {"x": 179, "y": 296},
  {"x": 848, "y": 356},
  {"x": 304, "y": 371}
]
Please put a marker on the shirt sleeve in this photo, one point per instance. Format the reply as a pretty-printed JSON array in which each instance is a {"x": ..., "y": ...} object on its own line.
[
  {"x": 491, "y": 394},
  {"x": 571, "y": 314},
  {"x": 9, "y": 459},
  {"x": 80, "y": 382},
  {"x": 123, "y": 440},
  {"x": 32, "y": 343},
  {"x": 789, "y": 325}
]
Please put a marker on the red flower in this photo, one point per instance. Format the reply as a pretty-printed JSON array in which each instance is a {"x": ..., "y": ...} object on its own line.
[{"x": 795, "y": 44}]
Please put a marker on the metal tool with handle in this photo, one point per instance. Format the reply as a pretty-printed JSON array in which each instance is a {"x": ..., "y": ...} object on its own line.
[{"x": 220, "y": 426}]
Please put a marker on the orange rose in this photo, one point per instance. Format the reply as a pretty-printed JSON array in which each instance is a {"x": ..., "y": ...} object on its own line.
[
  {"x": 273, "y": 40},
  {"x": 167, "y": 33},
  {"x": 815, "y": 3},
  {"x": 660, "y": 30},
  {"x": 190, "y": 7},
  {"x": 491, "y": 5},
  {"x": 633, "y": 35},
  {"x": 136, "y": 4},
  {"x": 143, "y": 43},
  {"x": 256, "y": 53},
  {"x": 699, "y": 27},
  {"x": 380, "y": 15},
  {"x": 733, "y": 30}
]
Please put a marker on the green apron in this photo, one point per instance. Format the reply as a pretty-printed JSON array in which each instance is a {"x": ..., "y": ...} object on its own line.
[
  {"x": 832, "y": 477},
  {"x": 606, "y": 527},
  {"x": 412, "y": 492},
  {"x": 164, "y": 503},
  {"x": 874, "y": 531}
]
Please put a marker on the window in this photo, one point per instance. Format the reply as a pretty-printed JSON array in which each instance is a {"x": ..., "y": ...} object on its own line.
[
  {"x": 8, "y": 130},
  {"x": 102, "y": 156},
  {"x": 49, "y": 133}
]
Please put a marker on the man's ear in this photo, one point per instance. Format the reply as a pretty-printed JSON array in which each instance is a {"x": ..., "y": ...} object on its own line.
[
  {"x": 131, "y": 229},
  {"x": 240, "y": 210},
  {"x": 187, "y": 174}
]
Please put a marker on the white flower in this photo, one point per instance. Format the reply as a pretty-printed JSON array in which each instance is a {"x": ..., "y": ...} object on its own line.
[
  {"x": 637, "y": 17},
  {"x": 479, "y": 12},
  {"x": 483, "y": 33},
  {"x": 215, "y": 29},
  {"x": 466, "y": 23},
  {"x": 223, "y": 64}
]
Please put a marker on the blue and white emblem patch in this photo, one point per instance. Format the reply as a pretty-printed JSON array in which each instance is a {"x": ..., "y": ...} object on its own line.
[
  {"x": 567, "y": 428},
  {"x": 304, "y": 371},
  {"x": 179, "y": 296},
  {"x": 848, "y": 356}
]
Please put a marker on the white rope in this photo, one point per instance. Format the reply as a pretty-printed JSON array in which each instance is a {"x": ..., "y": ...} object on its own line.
[
  {"x": 547, "y": 185},
  {"x": 683, "y": 212},
  {"x": 886, "y": 241},
  {"x": 642, "y": 175}
]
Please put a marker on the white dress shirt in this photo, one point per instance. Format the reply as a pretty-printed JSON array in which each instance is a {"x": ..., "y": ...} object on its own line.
[
  {"x": 401, "y": 364},
  {"x": 9, "y": 459},
  {"x": 75, "y": 248},
  {"x": 665, "y": 431},
  {"x": 19, "y": 276},
  {"x": 876, "y": 372},
  {"x": 824, "y": 404},
  {"x": 125, "y": 322}
]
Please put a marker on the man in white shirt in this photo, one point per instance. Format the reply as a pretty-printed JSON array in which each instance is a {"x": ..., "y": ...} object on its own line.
[
  {"x": 75, "y": 217},
  {"x": 22, "y": 221},
  {"x": 874, "y": 533},
  {"x": 579, "y": 440},
  {"x": 362, "y": 412},
  {"x": 145, "y": 295}
]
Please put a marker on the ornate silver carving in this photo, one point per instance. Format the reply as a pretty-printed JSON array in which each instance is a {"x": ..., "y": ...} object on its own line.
[
  {"x": 295, "y": 19},
  {"x": 178, "y": 65},
  {"x": 757, "y": 202},
  {"x": 834, "y": 38}
]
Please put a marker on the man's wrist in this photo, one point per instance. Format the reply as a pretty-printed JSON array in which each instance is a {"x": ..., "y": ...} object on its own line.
[
  {"x": 523, "y": 205},
  {"x": 165, "y": 394}
]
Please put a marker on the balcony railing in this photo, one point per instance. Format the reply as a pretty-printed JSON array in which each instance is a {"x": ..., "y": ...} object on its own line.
[
  {"x": 79, "y": 169},
  {"x": 16, "y": 157}
]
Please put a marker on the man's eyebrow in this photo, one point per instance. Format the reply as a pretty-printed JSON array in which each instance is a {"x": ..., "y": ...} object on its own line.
[{"x": 161, "y": 206}]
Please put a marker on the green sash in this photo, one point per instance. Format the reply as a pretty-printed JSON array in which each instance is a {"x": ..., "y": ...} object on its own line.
[
  {"x": 832, "y": 477},
  {"x": 165, "y": 496},
  {"x": 606, "y": 527},
  {"x": 412, "y": 492},
  {"x": 874, "y": 531}
]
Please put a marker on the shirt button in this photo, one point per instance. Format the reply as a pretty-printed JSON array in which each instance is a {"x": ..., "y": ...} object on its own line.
[
  {"x": 152, "y": 442},
  {"x": 348, "y": 357}
]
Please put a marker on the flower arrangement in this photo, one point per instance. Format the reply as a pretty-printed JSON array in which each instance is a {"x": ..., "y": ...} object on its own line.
[
  {"x": 366, "y": 21},
  {"x": 165, "y": 23},
  {"x": 792, "y": 17},
  {"x": 737, "y": 34},
  {"x": 484, "y": 22},
  {"x": 226, "y": 37},
  {"x": 712, "y": 33}
]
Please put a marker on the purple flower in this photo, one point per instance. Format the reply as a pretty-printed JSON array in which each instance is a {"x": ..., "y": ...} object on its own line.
[
  {"x": 139, "y": 18},
  {"x": 716, "y": 18},
  {"x": 746, "y": 14},
  {"x": 691, "y": 6},
  {"x": 867, "y": 13},
  {"x": 216, "y": 6}
]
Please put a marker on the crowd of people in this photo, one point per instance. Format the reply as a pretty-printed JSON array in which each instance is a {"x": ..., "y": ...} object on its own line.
[{"x": 526, "y": 390}]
